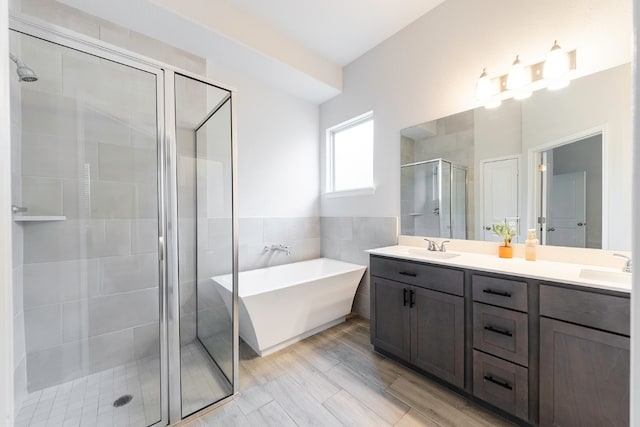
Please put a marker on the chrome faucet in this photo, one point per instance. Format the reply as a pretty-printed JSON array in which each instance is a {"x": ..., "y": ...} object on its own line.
[
  {"x": 279, "y": 248},
  {"x": 433, "y": 246},
  {"x": 627, "y": 265}
]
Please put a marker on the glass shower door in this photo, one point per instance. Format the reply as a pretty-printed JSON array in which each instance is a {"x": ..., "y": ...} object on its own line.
[
  {"x": 205, "y": 240},
  {"x": 85, "y": 167}
]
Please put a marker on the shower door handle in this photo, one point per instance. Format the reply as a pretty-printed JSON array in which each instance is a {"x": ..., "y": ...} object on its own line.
[{"x": 161, "y": 248}]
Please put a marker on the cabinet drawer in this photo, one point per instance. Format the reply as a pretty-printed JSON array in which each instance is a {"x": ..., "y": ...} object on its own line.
[
  {"x": 501, "y": 332},
  {"x": 503, "y": 384},
  {"x": 423, "y": 275},
  {"x": 606, "y": 312},
  {"x": 500, "y": 292}
]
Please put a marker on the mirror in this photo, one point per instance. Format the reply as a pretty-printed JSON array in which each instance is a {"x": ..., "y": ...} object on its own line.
[{"x": 558, "y": 162}]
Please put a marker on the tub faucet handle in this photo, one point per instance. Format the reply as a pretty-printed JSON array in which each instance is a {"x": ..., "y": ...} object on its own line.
[{"x": 285, "y": 248}]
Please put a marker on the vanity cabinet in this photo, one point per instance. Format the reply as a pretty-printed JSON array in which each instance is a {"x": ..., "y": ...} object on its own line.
[
  {"x": 546, "y": 353},
  {"x": 391, "y": 318},
  {"x": 584, "y": 358},
  {"x": 501, "y": 343},
  {"x": 414, "y": 322}
]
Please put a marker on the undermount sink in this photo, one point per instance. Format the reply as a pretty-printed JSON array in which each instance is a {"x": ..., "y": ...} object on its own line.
[
  {"x": 607, "y": 276},
  {"x": 432, "y": 254}
]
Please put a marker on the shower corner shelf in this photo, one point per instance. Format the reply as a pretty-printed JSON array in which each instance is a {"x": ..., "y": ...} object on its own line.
[{"x": 38, "y": 218}]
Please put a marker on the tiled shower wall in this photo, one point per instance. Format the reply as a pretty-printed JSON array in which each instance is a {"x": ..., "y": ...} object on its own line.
[
  {"x": 90, "y": 281},
  {"x": 19, "y": 355},
  {"x": 347, "y": 239},
  {"x": 69, "y": 304}
]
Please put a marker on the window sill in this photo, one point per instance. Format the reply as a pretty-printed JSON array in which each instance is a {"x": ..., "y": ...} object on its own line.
[{"x": 349, "y": 193}]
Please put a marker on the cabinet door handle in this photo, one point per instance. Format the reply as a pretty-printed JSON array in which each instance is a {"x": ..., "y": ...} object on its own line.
[
  {"x": 412, "y": 298},
  {"x": 407, "y": 273},
  {"x": 499, "y": 331},
  {"x": 501, "y": 383},
  {"x": 499, "y": 293},
  {"x": 404, "y": 297}
]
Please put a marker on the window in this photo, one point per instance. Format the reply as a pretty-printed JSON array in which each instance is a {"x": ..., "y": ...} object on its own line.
[{"x": 349, "y": 164}]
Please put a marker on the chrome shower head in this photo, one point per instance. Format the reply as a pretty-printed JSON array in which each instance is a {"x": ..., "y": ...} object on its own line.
[{"x": 25, "y": 74}]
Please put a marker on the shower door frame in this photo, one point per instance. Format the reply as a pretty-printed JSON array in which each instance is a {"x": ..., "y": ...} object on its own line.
[{"x": 169, "y": 301}]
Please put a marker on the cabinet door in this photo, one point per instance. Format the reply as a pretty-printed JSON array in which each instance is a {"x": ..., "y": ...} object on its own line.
[
  {"x": 390, "y": 316},
  {"x": 437, "y": 334},
  {"x": 584, "y": 376}
]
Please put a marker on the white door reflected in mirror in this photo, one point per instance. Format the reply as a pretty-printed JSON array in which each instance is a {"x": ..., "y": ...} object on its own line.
[{"x": 499, "y": 196}]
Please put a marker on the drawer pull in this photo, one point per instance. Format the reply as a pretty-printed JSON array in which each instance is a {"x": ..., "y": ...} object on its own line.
[
  {"x": 499, "y": 293},
  {"x": 412, "y": 298},
  {"x": 407, "y": 273},
  {"x": 404, "y": 297},
  {"x": 499, "y": 331},
  {"x": 496, "y": 381}
]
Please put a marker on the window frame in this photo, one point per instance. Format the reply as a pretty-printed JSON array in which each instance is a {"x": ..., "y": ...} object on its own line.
[{"x": 330, "y": 158}]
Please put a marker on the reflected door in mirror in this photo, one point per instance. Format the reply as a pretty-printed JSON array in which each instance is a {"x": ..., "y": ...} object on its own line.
[
  {"x": 499, "y": 195},
  {"x": 567, "y": 210}
]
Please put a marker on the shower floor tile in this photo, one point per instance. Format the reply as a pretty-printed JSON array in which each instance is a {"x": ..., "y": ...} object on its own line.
[{"x": 88, "y": 401}]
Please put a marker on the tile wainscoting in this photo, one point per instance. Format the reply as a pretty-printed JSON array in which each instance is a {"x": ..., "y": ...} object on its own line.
[{"x": 347, "y": 239}]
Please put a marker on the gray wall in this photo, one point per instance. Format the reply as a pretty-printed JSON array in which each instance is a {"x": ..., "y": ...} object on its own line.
[
  {"x": 347, "y": 239},
  {"x": 585, "y": 155}
]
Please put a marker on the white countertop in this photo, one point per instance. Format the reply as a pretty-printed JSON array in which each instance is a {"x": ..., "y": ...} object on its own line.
[{"x": 595, "y": 277}]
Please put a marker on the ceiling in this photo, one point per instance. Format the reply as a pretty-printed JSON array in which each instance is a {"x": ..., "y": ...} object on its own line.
[
  {"x": 299, "y": 46},
  {"x": 338, "y": 30}
]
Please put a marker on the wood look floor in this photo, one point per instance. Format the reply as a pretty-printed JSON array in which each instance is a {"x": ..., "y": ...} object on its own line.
[{"x": 334, "y": 378}]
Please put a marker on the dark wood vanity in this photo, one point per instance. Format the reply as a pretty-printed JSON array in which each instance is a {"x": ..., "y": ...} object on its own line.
[{"x": 546, "y": 353}]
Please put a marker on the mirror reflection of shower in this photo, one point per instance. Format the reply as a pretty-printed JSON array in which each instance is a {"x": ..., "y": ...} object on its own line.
[
  {"x": 434, "y": 199},
  {"x": 25, "y": 74}
]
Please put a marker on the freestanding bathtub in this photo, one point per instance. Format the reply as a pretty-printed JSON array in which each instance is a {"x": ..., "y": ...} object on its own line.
[{"x": 281, "y": 305}]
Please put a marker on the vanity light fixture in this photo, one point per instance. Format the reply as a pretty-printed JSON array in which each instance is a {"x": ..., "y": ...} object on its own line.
[
  {"x": 556, "y": 68},
  {"x": 522, "y": 80}
]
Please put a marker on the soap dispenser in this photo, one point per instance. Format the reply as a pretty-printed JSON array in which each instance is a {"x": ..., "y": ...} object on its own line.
[{"x": 530, "y": 245}]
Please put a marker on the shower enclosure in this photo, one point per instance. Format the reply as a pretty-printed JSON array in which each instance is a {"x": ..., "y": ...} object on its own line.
[
  {"x": 123, "y": 173},
  {"x": 434, "y": 199}
]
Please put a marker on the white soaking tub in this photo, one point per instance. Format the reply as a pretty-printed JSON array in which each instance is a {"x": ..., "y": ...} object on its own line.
[{"x": 281, "y": 305}]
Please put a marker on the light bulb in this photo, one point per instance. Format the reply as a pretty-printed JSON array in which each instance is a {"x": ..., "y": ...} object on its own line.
[
  {"x": 484, "y": 87},
  {"x": 518, "y": 80},
  {"x": 556, "y": 68}
]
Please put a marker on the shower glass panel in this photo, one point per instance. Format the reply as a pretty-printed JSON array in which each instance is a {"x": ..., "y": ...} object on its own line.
[
  {"x": 458, "y": 202},
  {"x": 433, "y": 199},
  {"x": 203, "y": 122},
  {"x": 444, "y": 195},
  {"x": 85, "y": 155}
]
